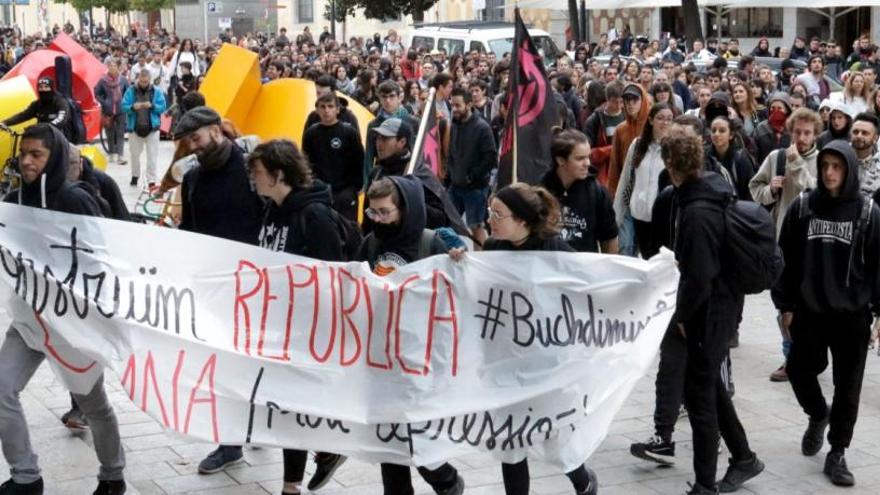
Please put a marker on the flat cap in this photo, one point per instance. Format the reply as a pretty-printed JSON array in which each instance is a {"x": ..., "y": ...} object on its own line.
[{"x": 195, "y": 119}]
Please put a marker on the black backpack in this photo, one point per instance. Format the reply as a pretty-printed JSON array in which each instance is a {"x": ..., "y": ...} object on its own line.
[
  {"x": 751, "y": 261},
  {"x": 349, "y": 232},
  {"x": 76, "y": 127}
]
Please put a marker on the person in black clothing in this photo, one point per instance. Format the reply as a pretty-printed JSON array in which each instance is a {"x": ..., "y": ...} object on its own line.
[
  {"x": 296, "y": 220},
  {"x": 50, "y": 107},
  {"x": 705, "y": 313},
  {"x": 472, "y": 156},
  {"x": 588, "y": 221},
  {"x": 217, "y": 200},
  {"x": 324, "y": 85},
  {"x": 839, "y": 123},
  {"x": 393, "y": 153},
  {"x": 335, "y": 151},
  {"x": 726, "y": 156},
  {"x": 43, "y": 163},
  {"x": 82, "y": 169},
  {"x": 526, "y": 218},
  {"x": 830, "y": 285}
]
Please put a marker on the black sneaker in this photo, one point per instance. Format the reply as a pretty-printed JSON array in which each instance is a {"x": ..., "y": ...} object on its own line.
[
  {"x": 134, "y": 181},
  {"x": 740, "y": 472},
  {"x": 110, "y": 488},
  {"x": 698, "y": 489},
  {"x": 223, "y": 457},
  {"x": 814, "y": 437},
  {"x": 456, "y": 489},
  {"x": 327, "y": 464},
  {"x": 593, "y": 485},
  {"x": 13, "y": 488},
  {"x": 836, "y": 470},
  {"x": 655, "y": 450},
  {"x": 75, "y": 419}
]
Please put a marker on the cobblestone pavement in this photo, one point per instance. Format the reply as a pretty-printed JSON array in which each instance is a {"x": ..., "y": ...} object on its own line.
[{"x": 164, "y": 463}]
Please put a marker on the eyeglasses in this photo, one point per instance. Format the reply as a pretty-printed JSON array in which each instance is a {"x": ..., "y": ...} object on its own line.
[
  {"x": 379, "y": 213},
  {"x": 494, "y": 215}
]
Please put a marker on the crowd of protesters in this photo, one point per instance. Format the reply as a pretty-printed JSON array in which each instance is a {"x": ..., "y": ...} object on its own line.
[{"x": 653, "y": 140}]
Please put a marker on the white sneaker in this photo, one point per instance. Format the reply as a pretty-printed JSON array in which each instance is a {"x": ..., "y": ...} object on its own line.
[{"x": 113, "y": 158}]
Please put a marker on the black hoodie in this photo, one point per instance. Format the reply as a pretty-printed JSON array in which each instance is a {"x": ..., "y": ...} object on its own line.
[
  {"x": 738, "y": 165},
  {"x": 699, "y": 238},
  {"x": 587, "y": 211},
  {"x": 303, "y": 225},
  {"x": 402, "y": 247},
  {"x": 106, "y": 188},
  {"x": 51, "y": 190},
  {"x": 830, "y": 134},
  {"x": 825, "y": 270}
]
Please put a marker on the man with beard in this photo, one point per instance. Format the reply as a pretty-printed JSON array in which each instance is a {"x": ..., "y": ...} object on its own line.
[
  {"x": 393, "y": 140},
  {"x": 50, "y": 107},
  {"x": 472, "y": 156},
  {"x": 863, "y": 137}
]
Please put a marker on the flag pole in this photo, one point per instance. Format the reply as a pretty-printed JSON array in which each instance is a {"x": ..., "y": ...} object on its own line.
[
  {"x": 515, "y": 85},
  {"x": 429, "y": 107}
]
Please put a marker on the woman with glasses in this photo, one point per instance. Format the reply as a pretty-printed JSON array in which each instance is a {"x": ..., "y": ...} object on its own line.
[
  {"x": 640, "y": 178},
  {"x": 527, "y": 218}
]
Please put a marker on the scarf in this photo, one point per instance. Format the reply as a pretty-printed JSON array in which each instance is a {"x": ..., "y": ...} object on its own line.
[{"x": 114, "y": 87}]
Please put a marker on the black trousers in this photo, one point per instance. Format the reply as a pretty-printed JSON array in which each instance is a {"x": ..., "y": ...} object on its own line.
[
  {"x": 397, "y": 479},
  {"x": 294, "y": 465},
  {"x": 846, "y": 336},
  {"x": 644, "y": 239},
  {"x": 710, "y": 408},
  {"x": 516, "y": 478}
]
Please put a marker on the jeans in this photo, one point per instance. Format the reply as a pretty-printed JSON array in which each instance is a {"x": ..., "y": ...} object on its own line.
[
  {"x": 626, "y": 235},
  {"x": 18, "y": 363},
  {"x": 115, "y": 134},
  {"x": 472, "y": 203},
  {"x": 137, "y": 145},
  {"x": 846, "y": 336}
]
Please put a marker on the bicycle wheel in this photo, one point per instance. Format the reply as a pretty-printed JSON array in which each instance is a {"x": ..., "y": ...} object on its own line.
[{"x": 105, "y": 141}]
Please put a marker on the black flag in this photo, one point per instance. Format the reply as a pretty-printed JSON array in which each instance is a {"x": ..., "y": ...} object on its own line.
[{"x": 531, "y": 114}]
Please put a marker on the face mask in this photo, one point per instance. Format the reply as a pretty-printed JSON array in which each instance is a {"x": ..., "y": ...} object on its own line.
[
  {"x": 46, "y": 96},
  {"x": 777, "y": 119},
  {"x": 385, "y": 231}
]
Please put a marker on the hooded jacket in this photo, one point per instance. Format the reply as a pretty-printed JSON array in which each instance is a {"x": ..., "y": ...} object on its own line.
[
  {"x": 107, "y": 188},
  {"x": 830, "y": 134},
  {"x": 303, "y": 224},
  {"x": 800, "y": 174},
  {"x": 624, "y": 135},
  {"x": 52, "y": 108},
  {"x": 765, "y": 137},
  {"x": 440, "y": 210},
  {"x": 402, "y": 247},
  {"x": 381, "y": 116},
  {"x": 830, "y": 266},
  {"x": 587, "y": 213},
  {"x": 703, "y": 294},
  {"x": 51, "y": 190},
  {"x": 738, "y": 165}
]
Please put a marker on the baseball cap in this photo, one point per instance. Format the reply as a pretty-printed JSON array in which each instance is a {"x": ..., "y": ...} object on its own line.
[
  {"x": 395, "y": 127},
  {"x": 632, "y": 92}
]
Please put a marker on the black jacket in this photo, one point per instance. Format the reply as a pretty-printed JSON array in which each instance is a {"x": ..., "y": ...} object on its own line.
[
  {"x": 345, "y": 115},
  {"x": 336, "y": 154},
  {"x": 472, "y": 153},
  {"x": 106, "y": 188},
  {"x": 402, "y": 247},
  {"x": 54, "y": 110},
  {"x": 533, "y": 243},
  {"x": 765, "y": 141},
  {"x": 703, "y": 294},
  {"x": 587, "y": 211},
  {"x": 303, "y": 225},
  {"x": 220, "y": 202},
  {"x": 51, "y": 190},
  {"x": 738, "y": 165},
  {"x": 828, "y": 267},
  {"x": 439, "y": 208}
]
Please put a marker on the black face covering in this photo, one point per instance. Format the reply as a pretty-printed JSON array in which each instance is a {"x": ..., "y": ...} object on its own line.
[
  {"x": 46, "y": 96},
  {"x": 385, "y": 231}
]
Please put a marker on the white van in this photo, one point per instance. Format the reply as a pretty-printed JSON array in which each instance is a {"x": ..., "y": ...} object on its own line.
[{"x": 464, "y": 37}]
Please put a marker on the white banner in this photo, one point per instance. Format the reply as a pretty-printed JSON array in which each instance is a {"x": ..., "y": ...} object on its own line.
[{"x": 512, "y": 353}]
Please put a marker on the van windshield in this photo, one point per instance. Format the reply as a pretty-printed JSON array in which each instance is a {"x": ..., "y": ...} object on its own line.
[{"x": 545, "y": 45}]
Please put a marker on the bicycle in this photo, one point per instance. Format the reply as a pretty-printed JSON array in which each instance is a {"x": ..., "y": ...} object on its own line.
[{"x": 10, "y": 176}]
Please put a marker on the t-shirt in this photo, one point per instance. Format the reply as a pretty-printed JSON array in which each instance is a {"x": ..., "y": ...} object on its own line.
[
  {"x": 336, "y": 154},
  {"x": 587, "y": 212},
  {"x": 611, "y": 123}
]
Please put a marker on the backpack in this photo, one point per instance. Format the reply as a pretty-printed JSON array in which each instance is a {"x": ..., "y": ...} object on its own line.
[
  {"x": 425, "y": 242},
  {"x": 103, "y": 204},
  {"x": 751, "y": 261},
  {"x": 64, "y": 86},
  {"x": 77, "y": 127},
  {"x": 349, "y": 232}
]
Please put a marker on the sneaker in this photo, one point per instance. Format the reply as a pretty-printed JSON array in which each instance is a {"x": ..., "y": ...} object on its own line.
[
  {"x": 116, "y": 487},
  {"x": 327, "y": 464},
  {"x": 740, "y": 472},
  {"x": 780, "y": 375},
  {"x": 75, "y": 419},
  {"x": 814, "y": 437},
  {"x": 836, "y": 470},
  {"x": 655, "y": 450},
  {"x": 698, "y": 489},
  {"x": 221, "y": 458},
  {"x": 456, "y": 489},
  {"x": 121, "y": 161},
  {"x": 593, "y": 486},
  {"x": 13, "y": 488},
  {"x": 134, "y": 181}
]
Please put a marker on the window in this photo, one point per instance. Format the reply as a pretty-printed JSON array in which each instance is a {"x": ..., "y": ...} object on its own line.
[
  {"x": 747, "y": 23},
  {"x": 305, "y": 10},
  {"x": 451, "y": 46},
  {"x": 477, "y": 46},
  {"x": 423, "y": 41}
]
